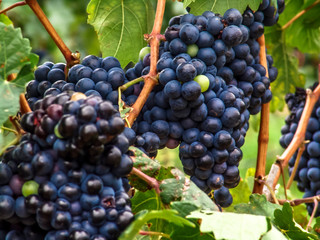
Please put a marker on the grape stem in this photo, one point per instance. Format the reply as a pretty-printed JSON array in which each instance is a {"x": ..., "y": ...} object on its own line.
[
  {"x": 292, "y": 20},
  {"x": 152, "y": 182},
  {"x": 22, "y": 3},
  {"x": 263, "y": 138},
  {"x": 151, "y": 80},
  {"x": 24, "y": 106},
  {"x": 298, "y": 138},
  {"x": 149, "y": 233},
  {"x": 131, "y": 83},
  {"x": 315, "y": 207},
  {"x": 299, "y": 201},
  {"x": 273, "y": 195},
  {"x": 293, "y": 174},
  {"x": 71, "y": 58}
]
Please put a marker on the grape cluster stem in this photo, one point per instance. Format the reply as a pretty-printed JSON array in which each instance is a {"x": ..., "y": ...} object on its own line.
[
  {"x": 296, "y": 164},
  {"x": 22, "y": 3},
  {"x": 299, "y": 201},
  {"x": 24, "y": 106},
  {"x": 150, "y": 79},
  {"x": 298, "y": 139},
  {"x": 71, "y": 58},
  {"x": 151, "y": 181},
  {"x": 149, "y": 233},
  {"x": 263, "y": 137}
]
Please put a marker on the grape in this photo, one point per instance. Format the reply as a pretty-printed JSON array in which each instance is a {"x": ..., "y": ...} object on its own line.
[
  {"x": 214, "y": 25},
  {"x": 189, "y": 34},
  {"x": 207, "y": 55},
  {"x": 191, "y": 90},
  {"x": 177, "y": 46},
  {"x": 173, "y": 89},
  {"x": 203, "y": 82},
  {"x": 205, "y": 40},
  {"x": 233, "y": 17},
  {"x": 192, "y": 50},
  {"x": 29, "y": 188},
  {"x": 143, "y": 52},
  {"x": 232, "y": 35}
]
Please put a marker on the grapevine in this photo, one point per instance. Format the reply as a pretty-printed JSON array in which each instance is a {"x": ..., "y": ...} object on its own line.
[{"x": 85, "y": 141}]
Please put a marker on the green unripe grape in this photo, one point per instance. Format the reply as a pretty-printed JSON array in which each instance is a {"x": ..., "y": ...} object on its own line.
[
  {"x": 203, "y": 81},
  {"x": 143, "y": 52},
  {"x": 56, "y": 131},
  {"x": 192, "y": 50},
  {"x": 29, "y": 188}
]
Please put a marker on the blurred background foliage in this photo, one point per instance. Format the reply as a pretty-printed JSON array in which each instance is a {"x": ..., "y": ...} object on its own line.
[{"x": 69, "y": 17}]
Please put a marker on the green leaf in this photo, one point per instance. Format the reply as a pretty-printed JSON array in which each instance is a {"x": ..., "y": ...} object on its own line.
[
  {"x": 149, "y": 166},
  {"x": 5, "y": 19},
  {"x": 15, "y": 58},
  {"x": 148, "y": 200},
  {"x": 288, "y": 76},
  {"x": 273, "y": 234},
  {"x": 258, "y": 205},
  {"x": 283, "y": 219},
  {"x": 145, "y": 216},
  {"x": 120, "y": 26},
  {"x": 182, "y": 189},
  {"x": 316, "y": 226},
  {"x": 186, "y": 3},
  {"x": 198, "y": 7},
  {"x": 232, "y": 225},
  {"x": 305, "y": 31}
]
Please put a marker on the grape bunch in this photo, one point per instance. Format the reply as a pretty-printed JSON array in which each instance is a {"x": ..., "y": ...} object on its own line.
[
  {"x": 94, "y": 76},
  {"x": 308, "y": 172},
  {"x": 64, "y": 180},
  {"x": 210, "y": 81}
]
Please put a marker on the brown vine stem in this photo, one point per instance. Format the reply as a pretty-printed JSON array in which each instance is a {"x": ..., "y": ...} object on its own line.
[
  {"x": 71, "y": 58},
  {"x": 148, "y": 233},
  {"x": 151, "y": 181},
  {"x": 22, "y": 3},
  {"x": 296, "y": 164},
  {"x": 299, "y": 201},
  {"x": 273, "y": 194},
  {"x": 299, "y": 15},
  {"x": 315, "y": 207},
  {"x": 283, "y": 179},
  {"x": 154, "y": 39},
  {"x": 24, "y": 106},
  {"x": 298, "y": 138},
  {"x": 263, "y": 138}
]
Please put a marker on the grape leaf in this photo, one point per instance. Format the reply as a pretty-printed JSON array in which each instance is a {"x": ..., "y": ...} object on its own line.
[
  {"x": 149, "y": 166},
  {"x": 186, "y": 3},
  {"x": 145, "y": 216},
  {"x": 120, "y": 25},
  {"x": 258, "y": 205},
  {"x": 288, "y": 76},
  {"x": 232, "y": 225},
  {"x": 283, "y": 219},
  {"x": 149, "y": 200},
  {"x": 15, "y": 59},
  {"x": 181, "y": 188},
  {"x": 198, "y": 7},
  {"x": 273, "y": 234},
  {"x": 305, "y": 31},
  {"x": 5, "y": 19},
  {"x": 316, "y": 226}
]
